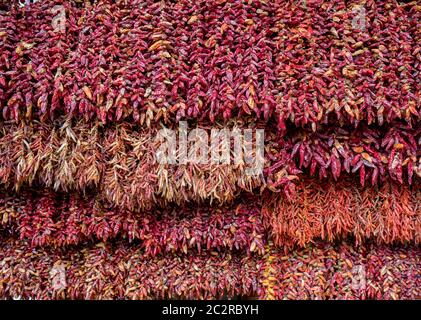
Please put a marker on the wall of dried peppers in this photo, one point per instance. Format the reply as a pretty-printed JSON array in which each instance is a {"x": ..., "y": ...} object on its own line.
[{"x": 87, "y": 211}]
